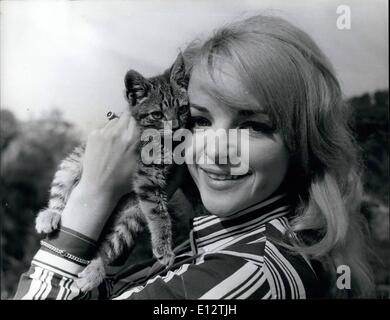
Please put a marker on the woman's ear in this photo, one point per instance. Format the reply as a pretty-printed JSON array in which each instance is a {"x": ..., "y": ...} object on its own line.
[
  {"x": 178, "y": 73},
  {"x": 137, "y": 87}
]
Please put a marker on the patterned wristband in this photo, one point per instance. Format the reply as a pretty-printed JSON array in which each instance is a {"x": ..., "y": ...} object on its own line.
[{"x": 63, "y": 253}]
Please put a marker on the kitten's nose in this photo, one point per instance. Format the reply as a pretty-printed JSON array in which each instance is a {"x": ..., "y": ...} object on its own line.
[{"x": 175, "y": 124}]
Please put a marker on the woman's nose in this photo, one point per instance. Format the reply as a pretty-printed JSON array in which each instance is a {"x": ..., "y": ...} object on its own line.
[
  {"x": 217, "y": 146},
  {"x": 226, "y": 147}
]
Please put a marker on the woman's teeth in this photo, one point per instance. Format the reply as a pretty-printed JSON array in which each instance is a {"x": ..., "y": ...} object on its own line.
[{"x": 223, "y": 176}]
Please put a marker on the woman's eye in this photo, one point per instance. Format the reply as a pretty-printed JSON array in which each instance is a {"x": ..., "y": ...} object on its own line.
[
  {"x": 257, "y": 127},
  {"x": 156, "y": 115},
  {"x": 197, "y": 122}
]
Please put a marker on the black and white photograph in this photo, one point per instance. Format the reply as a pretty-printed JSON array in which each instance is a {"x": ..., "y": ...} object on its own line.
[{"x": 194, "y": 150}]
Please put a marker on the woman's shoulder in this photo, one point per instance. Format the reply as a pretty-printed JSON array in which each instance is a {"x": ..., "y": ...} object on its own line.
[{"x": 291, "y": 274}]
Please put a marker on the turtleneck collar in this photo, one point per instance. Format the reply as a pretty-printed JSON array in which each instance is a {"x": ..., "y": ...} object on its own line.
[{"x": 211, "y": 230}]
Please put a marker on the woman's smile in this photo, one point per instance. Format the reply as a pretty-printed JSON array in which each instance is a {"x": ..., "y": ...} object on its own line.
[{"x": 220, "y": 180}]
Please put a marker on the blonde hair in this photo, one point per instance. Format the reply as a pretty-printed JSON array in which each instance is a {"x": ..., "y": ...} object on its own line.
[{"x": 286, "y": 71}]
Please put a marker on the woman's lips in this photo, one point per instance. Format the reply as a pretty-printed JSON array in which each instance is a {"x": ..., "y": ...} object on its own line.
[
  {"x": 222, "y": 180},
  {"x": 221, "y": 177}
]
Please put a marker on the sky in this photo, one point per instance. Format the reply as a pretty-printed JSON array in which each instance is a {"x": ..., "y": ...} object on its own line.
[{"x": 73, "y": 55}]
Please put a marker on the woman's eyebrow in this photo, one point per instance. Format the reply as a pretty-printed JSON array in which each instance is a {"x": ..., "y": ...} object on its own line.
[
  {"x": 199, "y": 108},
  {"x": 248, "y": 113}
]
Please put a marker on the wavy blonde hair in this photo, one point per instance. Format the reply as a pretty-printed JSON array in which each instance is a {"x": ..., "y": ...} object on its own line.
[{"x": 290, "y": 76}]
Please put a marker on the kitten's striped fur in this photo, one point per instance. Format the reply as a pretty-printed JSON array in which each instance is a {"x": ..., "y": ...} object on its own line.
[{"x": 152, "y": 102}]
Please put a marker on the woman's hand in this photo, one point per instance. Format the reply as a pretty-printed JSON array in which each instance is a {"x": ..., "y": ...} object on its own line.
[
  {"x": 109, "y": 163},
  {"x": 110, "y": 157}
]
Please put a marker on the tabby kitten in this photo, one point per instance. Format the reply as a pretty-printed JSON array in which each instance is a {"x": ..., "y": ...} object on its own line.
[{"x": 153, "y": 102}]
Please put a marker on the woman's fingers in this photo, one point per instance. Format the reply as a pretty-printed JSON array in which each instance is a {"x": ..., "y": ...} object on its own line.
[
  {"x": 124, "y": 120},
  {"x": 123, "y": 127},
  {"x": 132, "y": 131},
  {"x": 117, "y": 125}
]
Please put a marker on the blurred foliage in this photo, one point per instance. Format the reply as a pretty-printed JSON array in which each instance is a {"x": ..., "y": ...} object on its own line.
[
  {"x": 370, "y": 124},
  {"x": 371, "y": 118},
  {"x": 31, "y": 151}
]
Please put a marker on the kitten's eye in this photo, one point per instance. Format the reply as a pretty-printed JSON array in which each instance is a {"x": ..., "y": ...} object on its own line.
[
  {"x": 197, "y": 122},
  {"x": 257, "y": 127},
  {"x": 157, "y": 115}
]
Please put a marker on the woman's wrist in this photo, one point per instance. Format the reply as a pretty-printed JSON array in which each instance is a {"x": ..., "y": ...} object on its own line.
[{"x": 88, "y": 209}]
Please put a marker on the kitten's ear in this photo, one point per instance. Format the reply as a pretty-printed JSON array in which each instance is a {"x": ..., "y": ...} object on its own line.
[
  {"x": 178, "y": 72},
  {"x": 137, "y": 87}
]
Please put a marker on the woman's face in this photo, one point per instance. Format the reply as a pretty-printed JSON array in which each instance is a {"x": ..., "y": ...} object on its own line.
[{"x": 222, "y": 192}]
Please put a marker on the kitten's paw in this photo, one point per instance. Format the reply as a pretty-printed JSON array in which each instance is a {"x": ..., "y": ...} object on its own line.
[
  {"x": 47, "y": 221},
  {"x": 91, "y": 276},
  {"x": 165, "y": 256}
]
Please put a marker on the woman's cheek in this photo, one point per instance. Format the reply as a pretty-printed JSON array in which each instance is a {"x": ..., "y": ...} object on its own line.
[
  {"x": 239, "y": 151},
  {"x": 268, "y": 159}
]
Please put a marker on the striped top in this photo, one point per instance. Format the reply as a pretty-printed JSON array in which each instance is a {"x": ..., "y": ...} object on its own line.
[{"x": 235, "y": 257}]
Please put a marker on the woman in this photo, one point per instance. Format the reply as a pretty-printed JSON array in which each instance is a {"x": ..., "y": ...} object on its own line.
[{"x": 278, "y": 231}]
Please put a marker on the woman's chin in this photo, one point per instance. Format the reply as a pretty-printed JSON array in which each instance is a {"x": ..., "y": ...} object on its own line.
[{"x": 222, "y": 204}]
